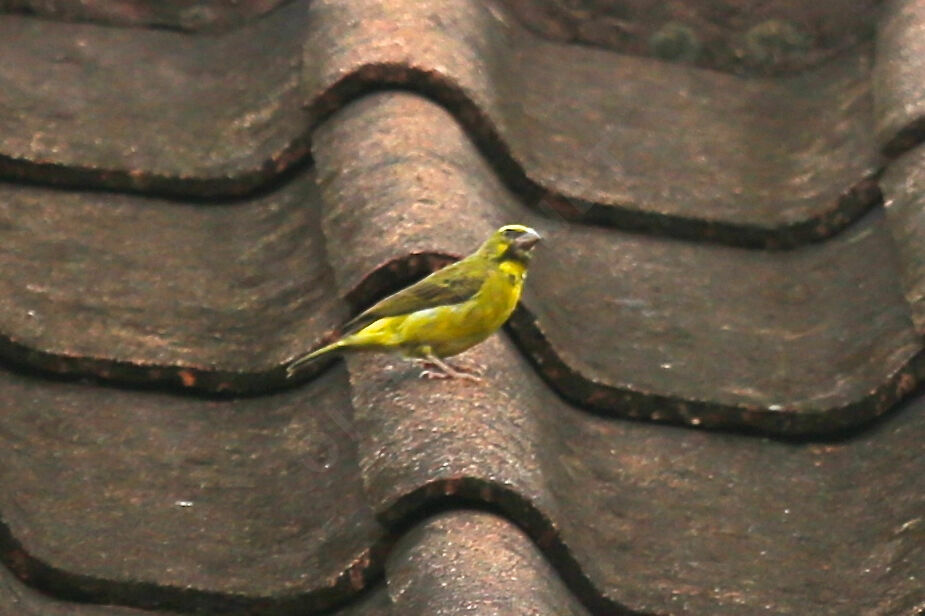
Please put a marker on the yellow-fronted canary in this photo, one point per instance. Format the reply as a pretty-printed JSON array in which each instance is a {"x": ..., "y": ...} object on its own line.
[{"x": 447, "y": 312}]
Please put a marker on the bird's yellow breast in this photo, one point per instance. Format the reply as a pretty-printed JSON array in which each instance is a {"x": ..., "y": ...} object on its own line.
[{"x": 448, "y": 330}]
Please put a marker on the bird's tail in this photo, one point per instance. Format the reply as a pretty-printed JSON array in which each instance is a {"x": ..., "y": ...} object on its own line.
[{"x": 303, "y": 360}]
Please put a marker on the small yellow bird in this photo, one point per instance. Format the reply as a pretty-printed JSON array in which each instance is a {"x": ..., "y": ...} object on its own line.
[{"x": 447, "y": 312}]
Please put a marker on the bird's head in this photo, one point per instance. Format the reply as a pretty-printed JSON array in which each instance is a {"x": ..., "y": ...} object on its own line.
[{"x": 511, "y": 242}]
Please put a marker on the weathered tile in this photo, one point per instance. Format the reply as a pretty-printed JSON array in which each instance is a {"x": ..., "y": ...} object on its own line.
[
  {"x": 725, "y": 35},
  {"x": 418, "y": 439},
  {"x": 204, "y": 296},
  {"x": 269, "y": 504},
  {"x": 465, "y": 562},
  {"x": 177, "y": 14},
  {"x": 595, "y": 136},
  {"x": 376, "y": 602},
  {"x": 899, "y": 76},
  {"x": 719, "y": 34},
  {"x": 200, "y": 115},
  {"x": 809, "y": 340},
  {"x": 17, "y": 599},
  {"x": 682, "y": 522},
  {"x": 647, "y": 518},
  {"x": 151, "y": 110},
  {"x": 904, "y": 191},
  {"x": 145, "y": 499}
]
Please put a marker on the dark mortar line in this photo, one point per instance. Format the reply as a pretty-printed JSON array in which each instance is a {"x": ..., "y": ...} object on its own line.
[
  {"x": 409, "y": 511},
  {"x": 438, "y": 496},
  {"x": 618, "y": 403},
  {"x": 179, "y": 380},
  {"x": 854, "y": 201},
  {"x": 850, "y": 206},
  {"x": 398, "y": 517},
  {"x": 241, "y": 188},
  {"x": 906, "y": 138},
  {"x": 608, "y": 401},
  {"x": 67, "y": 586},
  {"x": 475, "y": 494}
]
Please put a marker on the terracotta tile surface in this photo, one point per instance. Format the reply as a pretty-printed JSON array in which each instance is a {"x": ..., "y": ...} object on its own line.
[
  {"x": 724, "y": 34},
  {"x": 202, "y": 296},
  {"x": 654, "y": 519},
  {"x": 467, "y": 562},
  {"x": 709, "y": 402},
  {"x": 900, "y": 94},
  {"x": 208, "y": 15},
  {"x": 665, "y": 316},
  {"x": 904, "y": 189},
  {"x": 808, "y": 139},
  {"x": 152, "y": 499},
  {"x": 151, "y": 110},
  {"x": 18, "y": 598},
  {"x": 798, "y": 150},
  {"x": 197, "y": 287}
]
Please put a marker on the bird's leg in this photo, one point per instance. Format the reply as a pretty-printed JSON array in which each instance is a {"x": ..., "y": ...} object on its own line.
[
  {"x": 448, "y": 371},
  {"x": 428, "y": 368}
]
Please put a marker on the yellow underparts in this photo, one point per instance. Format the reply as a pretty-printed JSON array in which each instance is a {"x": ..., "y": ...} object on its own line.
[{"x": 446, "y": 330}]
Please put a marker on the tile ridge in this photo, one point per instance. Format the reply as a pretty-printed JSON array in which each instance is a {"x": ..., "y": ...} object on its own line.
[
  {"x": 447, "y": 166},
  {"x": 475, "y": 92},
  {"x": 508, "y": 447},
  {"x": 854, "y": 202},
  {"x": 370, "y": 189}
]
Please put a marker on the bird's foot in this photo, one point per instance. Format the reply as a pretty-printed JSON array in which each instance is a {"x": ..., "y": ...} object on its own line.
[
  {"x": 456, "y": 374},
  {"x": 470, "y": 368},
  {"x": 434, "y": 375},
  {"x": 442, "y": 370}
]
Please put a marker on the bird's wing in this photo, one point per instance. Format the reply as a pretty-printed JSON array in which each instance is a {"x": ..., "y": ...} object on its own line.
[{"x": 451, "y": 285}]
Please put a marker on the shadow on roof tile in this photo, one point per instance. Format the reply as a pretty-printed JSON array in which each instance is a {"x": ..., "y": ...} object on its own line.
[
  {"x": 218, "y": 298},
  {"x": 770, "y": 162},
  {"x": 707, "y": 154},
  {"x": 151, "y": 110},
  {"x": 160, "y": 501},
  {"x": 118, "y": 286},
  {"x": 17, "y": 599},
  {"x": 805, "y": 341},
  {"x": 653, "y": 519}
]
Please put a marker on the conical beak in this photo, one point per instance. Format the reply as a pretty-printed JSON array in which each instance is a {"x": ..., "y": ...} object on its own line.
[{"x": 528, "y": 240}]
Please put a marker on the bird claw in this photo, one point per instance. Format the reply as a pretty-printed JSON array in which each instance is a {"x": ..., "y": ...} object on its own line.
[
  {"x": 434, "y": 375},
  {"x": 440, "y": 375},
  {"x": 470, "y": 369},
  {"x": 440, "y": 369}
]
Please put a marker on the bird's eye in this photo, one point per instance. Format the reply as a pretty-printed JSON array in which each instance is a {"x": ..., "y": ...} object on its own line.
[{"x": 511, "y": 233}]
